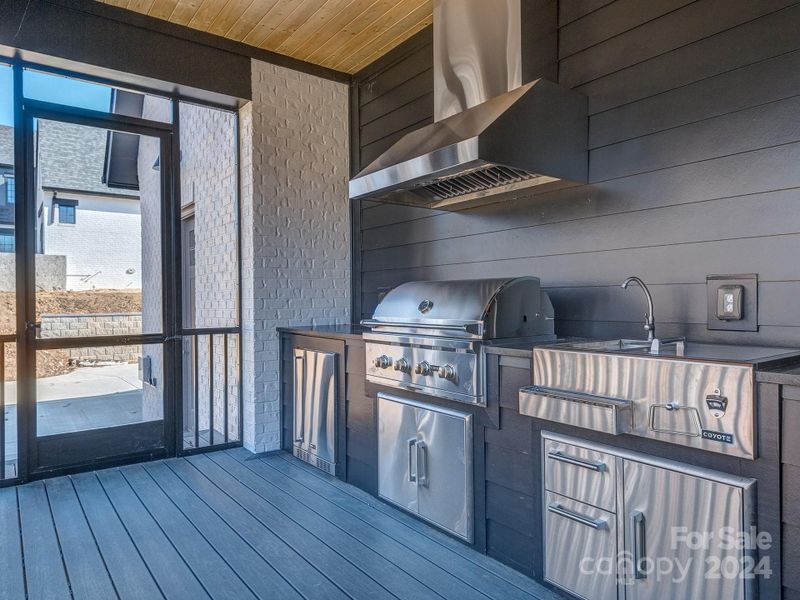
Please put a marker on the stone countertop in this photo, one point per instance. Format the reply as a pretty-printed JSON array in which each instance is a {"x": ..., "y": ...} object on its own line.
[{"x": 350, "y": 330}]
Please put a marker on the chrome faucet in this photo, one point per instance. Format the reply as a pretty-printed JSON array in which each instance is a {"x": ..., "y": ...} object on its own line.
[{"x": 650, "y": 322}]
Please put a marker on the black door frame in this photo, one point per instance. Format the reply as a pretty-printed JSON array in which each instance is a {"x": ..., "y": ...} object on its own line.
[
  {"x": 173, "y": 333},
  {"x": 70, "y": 451}
]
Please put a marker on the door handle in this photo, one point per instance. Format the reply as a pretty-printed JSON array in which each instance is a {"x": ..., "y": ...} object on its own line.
[
  {"x": 574, "y": 460},
  {"x": 412, "y": 476},
  {"x": 639, "y": 545},
  {"x": 422, "y": 463},
  {"x": 33, "y": 325},
  {"x": 299, "y": 424},
  {"x": 559, "y": 510}
]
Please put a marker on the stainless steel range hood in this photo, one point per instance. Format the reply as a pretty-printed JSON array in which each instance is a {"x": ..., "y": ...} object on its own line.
[{"x": 492, "y": 134}]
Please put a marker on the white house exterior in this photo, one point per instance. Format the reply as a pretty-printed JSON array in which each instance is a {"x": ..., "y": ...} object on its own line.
[{"x": 96, "y": 227}]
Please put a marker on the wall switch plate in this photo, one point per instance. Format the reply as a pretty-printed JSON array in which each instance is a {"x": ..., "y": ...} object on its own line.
[{"x": 732, "y": 302}]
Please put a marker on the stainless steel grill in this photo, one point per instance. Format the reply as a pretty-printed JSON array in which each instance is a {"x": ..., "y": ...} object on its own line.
[{"x": 430, "y": 336}]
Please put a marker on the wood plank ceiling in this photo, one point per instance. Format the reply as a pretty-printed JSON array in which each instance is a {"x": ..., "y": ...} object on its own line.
[{"x": 345, "y": 35}]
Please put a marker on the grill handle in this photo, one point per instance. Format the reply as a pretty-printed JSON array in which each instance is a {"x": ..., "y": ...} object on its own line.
[{"x": 471, "y": 328}]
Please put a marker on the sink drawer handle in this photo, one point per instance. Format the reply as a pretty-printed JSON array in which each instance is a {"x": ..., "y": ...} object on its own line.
[
  {"x": 559, "y": 510},
  {"x": 599, "y": 467}
]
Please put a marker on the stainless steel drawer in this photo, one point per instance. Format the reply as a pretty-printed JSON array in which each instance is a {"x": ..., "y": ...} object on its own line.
[
  {"x": 579, "y": 473},
  {"x": 579, "y": 410},
  {"x": 580, "y": 548}
]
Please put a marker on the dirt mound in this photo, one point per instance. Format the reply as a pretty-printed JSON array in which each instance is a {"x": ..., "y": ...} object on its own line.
[{"x": 53, "y": 362}]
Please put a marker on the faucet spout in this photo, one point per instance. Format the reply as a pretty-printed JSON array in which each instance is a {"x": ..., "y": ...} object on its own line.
[{"x": 650, "y": 322}]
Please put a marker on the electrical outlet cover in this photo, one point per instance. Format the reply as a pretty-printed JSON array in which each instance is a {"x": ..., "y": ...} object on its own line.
[{"x": 749, "y": 320}]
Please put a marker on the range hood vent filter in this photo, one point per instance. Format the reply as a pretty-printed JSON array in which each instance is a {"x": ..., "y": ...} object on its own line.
[{"x": 476, "y": 181}]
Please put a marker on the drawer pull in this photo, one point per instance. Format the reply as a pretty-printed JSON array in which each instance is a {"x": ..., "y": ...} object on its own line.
[
  {"x": 578, "y": 462},
  {"x": 557, "y": 509}
]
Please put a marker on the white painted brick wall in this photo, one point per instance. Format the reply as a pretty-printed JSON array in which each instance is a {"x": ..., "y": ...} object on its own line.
[{"x": 295, "y": 227}]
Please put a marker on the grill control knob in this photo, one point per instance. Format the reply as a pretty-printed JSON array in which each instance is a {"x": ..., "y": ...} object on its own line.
[
  {"x": 423, "y": 368},
  {"x": 447, "y": 372},
  {"x": 401, "y": 365},
  {"x": 382, "y": 362}
]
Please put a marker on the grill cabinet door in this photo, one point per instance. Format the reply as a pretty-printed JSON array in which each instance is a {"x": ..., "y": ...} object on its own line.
[
  {"x": 320, "y": 404},
  {"x": 661, "y": 507},
  {"x": 397, "y": 452},
  {"x": 444, "y": 471}
]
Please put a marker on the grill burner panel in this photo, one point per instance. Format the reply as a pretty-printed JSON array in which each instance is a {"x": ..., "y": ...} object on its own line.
[{"x": 429, "y": 336}]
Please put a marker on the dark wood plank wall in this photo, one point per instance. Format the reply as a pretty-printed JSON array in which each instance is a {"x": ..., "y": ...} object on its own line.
[
  {"x": 790, "y": 515},
  {"x": 695, "y": 142}
]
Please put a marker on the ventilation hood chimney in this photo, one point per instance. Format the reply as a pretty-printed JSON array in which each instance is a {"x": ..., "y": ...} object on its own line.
[{"x": 499, "y": 126}]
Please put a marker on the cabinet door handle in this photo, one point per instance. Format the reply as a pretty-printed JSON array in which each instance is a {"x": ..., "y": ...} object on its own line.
[
  {"x": 574, "y": 460},
  {"x": 639, "y": 545},
  {"x": 422, "y": 463},
  {"x": 299, "y": 395},
  {"x": 412, "y": 476},
  {"x": 559, "y": 510}
]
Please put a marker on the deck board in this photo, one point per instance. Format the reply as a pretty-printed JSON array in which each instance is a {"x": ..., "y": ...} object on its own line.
[
  {"x": 88, "y": 575},
  {"x": 12, "y": 575},
  {"x": 228, "y": 525},
  {"x": 45, "y": 574}
]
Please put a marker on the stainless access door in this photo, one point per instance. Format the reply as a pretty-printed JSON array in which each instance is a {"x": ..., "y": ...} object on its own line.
[
  {"x": 661, "y": 506},
  {"x": 444, "y": 469},
  {"x": 315, "y": 407},
  {"x": 397, "y": 452}
]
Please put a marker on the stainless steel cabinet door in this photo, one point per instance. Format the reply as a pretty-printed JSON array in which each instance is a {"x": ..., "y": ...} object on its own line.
[
  {"x": 397, "y": 452},
  {"x": 315, "y": 403},
  {"x": 580, "y": 547},
  {"x": 444, "y": 469},
  {"x": 661, "y": 508}
]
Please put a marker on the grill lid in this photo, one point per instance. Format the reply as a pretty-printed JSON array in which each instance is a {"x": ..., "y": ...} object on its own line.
[{"x": 484, "y": 308}]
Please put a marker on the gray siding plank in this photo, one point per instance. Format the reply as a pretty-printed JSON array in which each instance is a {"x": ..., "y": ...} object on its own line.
[
  {"x": 88, "y": 574},
  {"x": 128, "y": 571},
  {"x": 693, "y": 22},
  {"x": 609, "y": 21},
  {"x": 12, "y": 570},
  {"x": 291, "y": 564},
  {"x": 214, "y": 572},
  {"x": 397, "y": 524},
  {"x": 575, "y": 9},
  {"x": 767, "y": 81},
  {"x": 761, "y": 215},
  {"x": 174, "y": 577},
  {"x": 418, "y": 86},
  {"x": 45, "y": 574},
  {"x": 769, "y": 125},
  {"x": 790, "y": 422},
  {"x": 668, "y": 264},
  {"x": 346, "y": 532},
  {"x": 751, "y": 42},
  {"x": 348, "y": 576}
]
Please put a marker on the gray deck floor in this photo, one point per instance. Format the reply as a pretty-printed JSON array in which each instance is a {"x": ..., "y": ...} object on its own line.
[{"x": 230, "y": 525}]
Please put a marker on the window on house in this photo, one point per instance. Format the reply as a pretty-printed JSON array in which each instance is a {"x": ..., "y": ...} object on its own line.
[
  {"x": 11, "y": 190},
  {"x": 66, "y": 214},
  {"x": 7, "y": 243}
]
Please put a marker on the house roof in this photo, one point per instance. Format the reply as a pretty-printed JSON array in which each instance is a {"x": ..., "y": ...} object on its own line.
[{"x": 73, "y": 157}]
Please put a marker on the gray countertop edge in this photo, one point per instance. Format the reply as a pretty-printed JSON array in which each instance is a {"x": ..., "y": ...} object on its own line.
[{"x": 349, "y": 331}]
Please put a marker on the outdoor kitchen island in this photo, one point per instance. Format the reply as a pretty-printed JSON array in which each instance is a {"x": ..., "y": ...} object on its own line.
[{"x": 507, "y": 450}]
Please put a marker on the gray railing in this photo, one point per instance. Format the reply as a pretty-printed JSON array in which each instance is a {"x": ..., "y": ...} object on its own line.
[{"x": 212, "y": 402}]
